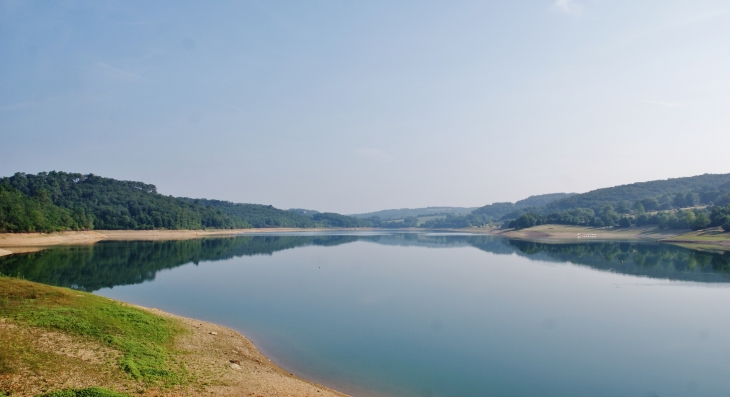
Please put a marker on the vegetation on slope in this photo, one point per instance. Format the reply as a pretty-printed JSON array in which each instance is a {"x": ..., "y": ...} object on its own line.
[
  {"x": 402, "y": 213},
  {"x": 85, "y": 392},
  {"x": 107, "y": 203},
  {"x": 257, "y": 215},
  {"x": 682, "y": 203},
  {"x": 144, "y": 341},
  {"x": 703, "y": 189},
  {"x": 23, "y": 213},
  {"x": 55, "y": 201},
  {"x": 497, "y": 210}
]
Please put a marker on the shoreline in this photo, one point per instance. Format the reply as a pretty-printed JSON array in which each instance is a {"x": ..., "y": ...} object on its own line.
[
  {"x": 218, "y": 361},
  {"x": 16, "y": 243},
  {"x": 241, "y": 347},
  {"x": 712, "y": 238},
  {"x": 570, "y": 233}
]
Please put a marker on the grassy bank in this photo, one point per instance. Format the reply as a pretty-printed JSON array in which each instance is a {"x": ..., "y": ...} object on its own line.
[
  {"x": 714, "y": 238},
  {"x": 59, "y": 342},
  {"x": 87, "y": 333}
]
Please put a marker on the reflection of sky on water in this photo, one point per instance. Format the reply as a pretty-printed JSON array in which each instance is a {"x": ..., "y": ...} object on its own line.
[{"x": 394, "y": 314}]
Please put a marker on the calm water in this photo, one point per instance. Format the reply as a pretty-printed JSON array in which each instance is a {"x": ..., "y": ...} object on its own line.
[{"x": 436, "y": 315}]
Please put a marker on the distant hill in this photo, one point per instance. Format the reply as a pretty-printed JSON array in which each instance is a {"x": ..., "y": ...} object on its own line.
[
  {"x": 497, "y": 210},
  {"x": 401, "y": 213}
]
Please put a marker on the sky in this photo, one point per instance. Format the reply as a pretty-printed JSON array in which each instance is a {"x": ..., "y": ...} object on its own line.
[{"x": 360, "y": 106}]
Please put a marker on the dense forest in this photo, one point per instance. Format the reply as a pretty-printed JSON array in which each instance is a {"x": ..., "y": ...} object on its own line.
[{"x": 55, "y": 201}]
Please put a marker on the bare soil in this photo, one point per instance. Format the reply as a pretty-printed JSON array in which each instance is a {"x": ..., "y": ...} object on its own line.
[
  {"x": 220, "y": 362},
  {"x": 573, "y": 233}
]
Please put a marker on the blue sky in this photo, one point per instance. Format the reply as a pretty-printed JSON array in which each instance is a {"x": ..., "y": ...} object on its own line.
[{"x": 360, "y": 106}]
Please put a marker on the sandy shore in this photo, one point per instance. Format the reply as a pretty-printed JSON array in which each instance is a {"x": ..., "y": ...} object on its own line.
[
  {"x": 247, "y": 372},
  {"x": 11, "y": 243},
  {"x": 561, "y": 233}
]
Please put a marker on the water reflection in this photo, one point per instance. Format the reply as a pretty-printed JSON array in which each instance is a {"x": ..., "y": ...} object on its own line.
[{"x": 109, "y": 264}]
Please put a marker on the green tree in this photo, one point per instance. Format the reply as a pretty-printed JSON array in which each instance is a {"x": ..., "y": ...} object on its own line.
[{"x": 702, "y": 221}]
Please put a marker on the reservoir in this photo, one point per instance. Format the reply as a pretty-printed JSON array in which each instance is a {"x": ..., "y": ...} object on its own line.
[{"x": 435, "y": 314}]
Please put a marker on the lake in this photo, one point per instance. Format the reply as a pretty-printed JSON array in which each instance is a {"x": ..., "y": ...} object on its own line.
[{"x": 428, "y": 314}]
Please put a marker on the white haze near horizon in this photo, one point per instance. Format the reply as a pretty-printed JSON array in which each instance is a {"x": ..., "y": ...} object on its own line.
[{"x": 361, "y": 106}]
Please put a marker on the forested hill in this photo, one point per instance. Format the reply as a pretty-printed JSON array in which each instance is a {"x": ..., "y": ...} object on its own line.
[
  {"x": 414, "y": 212},
  {"x": 257, "y": 215},
  {"x": 542, "y": 199},
  {"x": 56, "y": 201},
  {"x": 707, "y": 188},
  {"x": 633, "y": 204},
  {"x": 497, "y": 210}
]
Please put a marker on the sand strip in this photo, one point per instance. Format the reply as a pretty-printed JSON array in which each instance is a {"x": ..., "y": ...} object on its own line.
[{"x": 11, "y": 243}]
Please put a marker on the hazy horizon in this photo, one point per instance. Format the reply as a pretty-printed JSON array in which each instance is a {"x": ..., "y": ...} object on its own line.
[{"x": 355, "y": 108}]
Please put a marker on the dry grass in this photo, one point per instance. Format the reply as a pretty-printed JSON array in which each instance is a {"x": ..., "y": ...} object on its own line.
[{"x": 707, "y": 237}]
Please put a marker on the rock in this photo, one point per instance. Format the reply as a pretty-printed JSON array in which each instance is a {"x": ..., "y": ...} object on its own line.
[
  {"x": 213, "y": 333},
  {"x": 235, "y": 366}
]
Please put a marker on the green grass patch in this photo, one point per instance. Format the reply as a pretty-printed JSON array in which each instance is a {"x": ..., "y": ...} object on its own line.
[
  {"x": 144, "y": 339},
  {"x": 87, "y": 392}
]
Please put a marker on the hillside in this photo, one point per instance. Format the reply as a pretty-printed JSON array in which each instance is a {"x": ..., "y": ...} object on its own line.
[
  {"x": 55, "y": 201},
  {"x": 401, "y": 213},
  {"x": 707, "y": 188},
  {"x": 104, "y": 203},
  {"x": 497, "y": 210},
  {"x": 542, "y": 199},
  {"x": 693, "y": 203},
  {"x": 257, "y": 215},
  {"x": 680, "y": 203}
]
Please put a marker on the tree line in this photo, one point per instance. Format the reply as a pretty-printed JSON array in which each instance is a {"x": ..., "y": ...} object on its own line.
[{"x": 56, "y": 201}]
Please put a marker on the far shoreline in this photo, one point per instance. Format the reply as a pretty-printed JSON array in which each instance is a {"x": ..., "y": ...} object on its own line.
[
  {"x": 15, "y": 243},
  {"x": 715, "y": 238}
]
